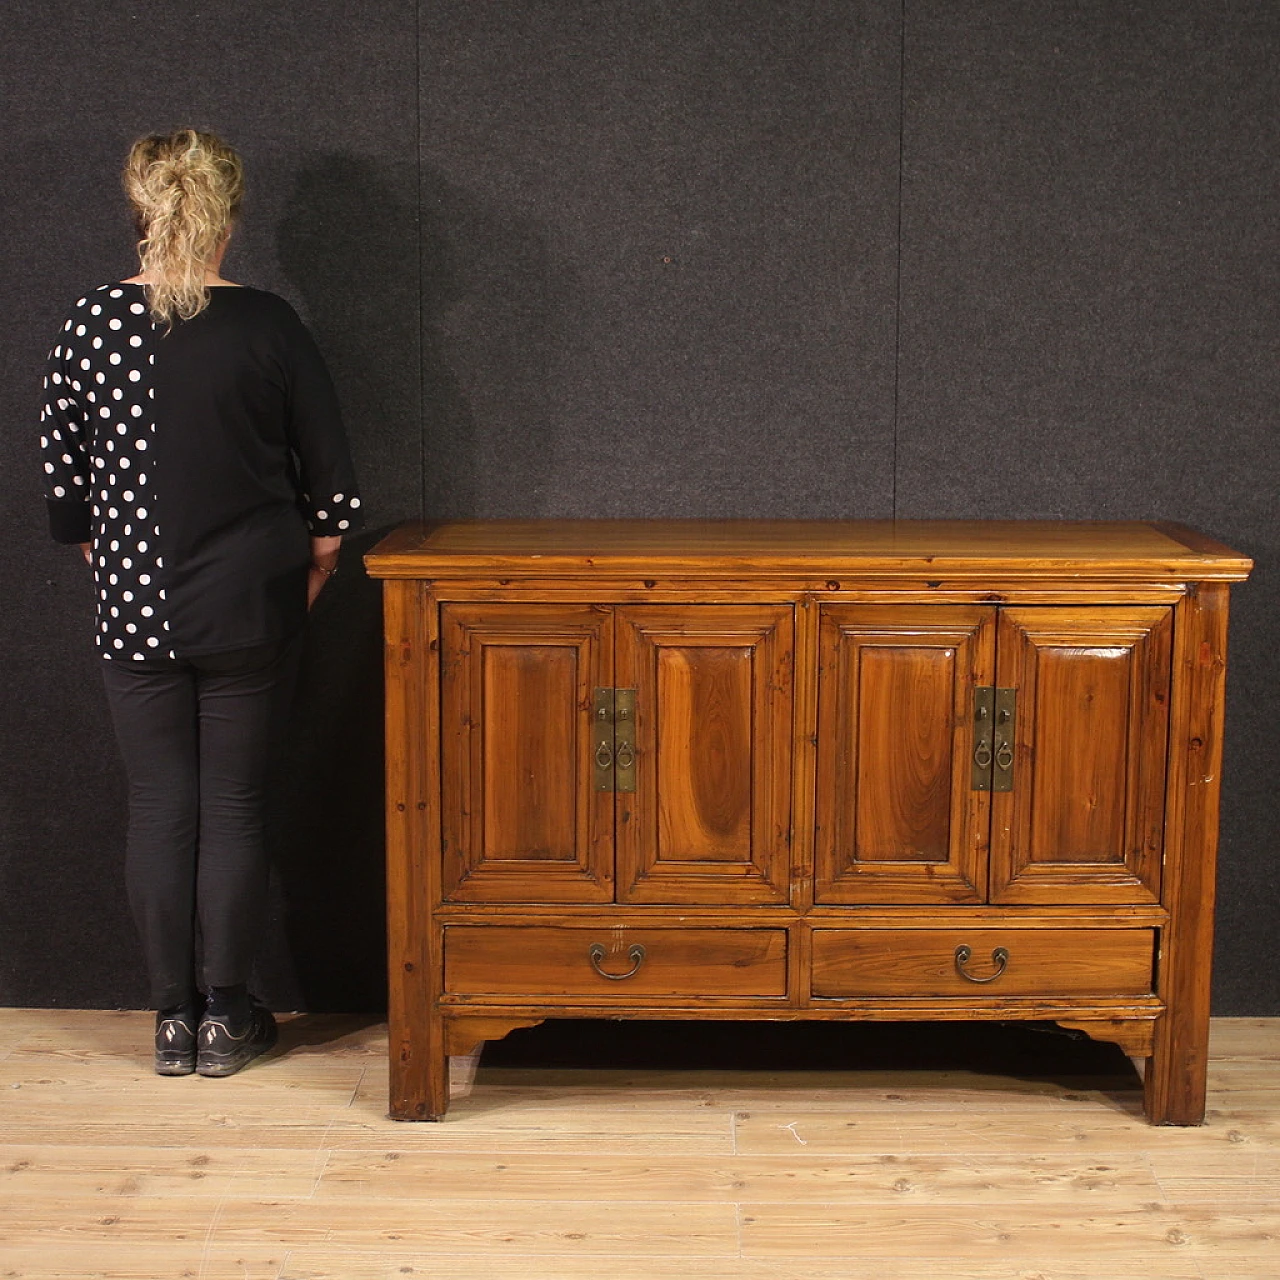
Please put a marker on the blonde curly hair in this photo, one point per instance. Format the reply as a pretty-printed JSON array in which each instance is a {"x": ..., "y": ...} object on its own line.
[{"x": 185, "y": 188}]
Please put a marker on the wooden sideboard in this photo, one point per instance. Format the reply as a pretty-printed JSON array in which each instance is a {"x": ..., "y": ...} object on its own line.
[{"x": 798, "y": 770}]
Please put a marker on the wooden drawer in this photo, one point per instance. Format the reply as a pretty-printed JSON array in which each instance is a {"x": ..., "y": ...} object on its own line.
[
  {"x": 1038, "y": 962},
  {"x": 532, "y": 961}
]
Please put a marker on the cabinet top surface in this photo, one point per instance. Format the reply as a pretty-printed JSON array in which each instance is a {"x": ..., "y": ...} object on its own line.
[{"x": 457, "y": 547}]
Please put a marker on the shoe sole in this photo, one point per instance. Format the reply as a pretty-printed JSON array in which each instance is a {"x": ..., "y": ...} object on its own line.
[
  {"x": 175, "y": 1066},
  {"x": 218, "y": 1066}
]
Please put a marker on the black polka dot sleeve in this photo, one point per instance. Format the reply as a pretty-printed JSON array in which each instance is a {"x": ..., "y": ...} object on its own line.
[{"x": 64, "y": 447}]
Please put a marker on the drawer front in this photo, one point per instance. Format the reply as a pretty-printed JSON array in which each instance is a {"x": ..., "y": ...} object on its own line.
[
  {"x": 613, "y": 964},
  {"x": 999, "y": 962}
]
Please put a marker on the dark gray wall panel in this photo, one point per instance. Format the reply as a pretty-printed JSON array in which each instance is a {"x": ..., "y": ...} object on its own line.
[
  {"x": 659, "y": 256},
  {"x": 321, "y": 100},
  {"x": 1090, "y": 316}
]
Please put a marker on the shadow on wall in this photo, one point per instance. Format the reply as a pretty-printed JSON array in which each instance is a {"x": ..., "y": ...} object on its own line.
[
  {"x": 495, "y": 312},
  {"x": 342, "y": 245}
]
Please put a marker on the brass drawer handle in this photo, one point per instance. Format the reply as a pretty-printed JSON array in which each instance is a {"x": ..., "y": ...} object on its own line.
[
  {"x": 1000, "y": 957},
  {"x": 596, "y": 953}
]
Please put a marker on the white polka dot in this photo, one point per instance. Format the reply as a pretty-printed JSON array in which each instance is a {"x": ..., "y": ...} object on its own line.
[
  {"x": 136, "y": 410},
  {"x": 126, "y": 595},
  {"x": 105, "y": 412},
  {"x": 116, "y": 293},
  {"x": 146, "y": 611},
  {"x": 80, "y": 331},
  {"x": 115, "y": 613},
  {"x": 78, "y": 479},
  {"x": 112, "y": 513},
  {"x": 139, "y": 444},
  {"x": 152, "y": 641},
  {"x": 355, "y": 502},
  {"x": 337, "y": 497},
  {"x": 84, "y": 364},
  {"x": 142, "y": 547},
  {"x": 95, "y": 310},
  {"x": 142, "y": 513},
  {"x": 66, "y": 457},
  {"x": 114, "y": 323},
  {"x": 121, "y": 429},
  {"x": 144, "y": 579},
  {"x": 125, "y": 463},
  {"x": 48, "y": 466},
  {"x": 114, "y": 357},
  {"x": 135, "y": 341},
  {"x": 126, "y": 563},
  {"x": 59, "y": 491},
  {"x": 118, "y": 643},
  {"x": 342, "y": 524},
  {"x": 137, "y": 308},
  {"x": 114, "y": 579},
  {"x": 127, "y": 495},
  {"x": 131, "y": 627},
  {"x": 117, "y": 394},
  {"x": 322, "y": 515},
  {"x": 115, "y": 545},
  {"x": 97, "y": 344},
  {"x": 44, "y": 442}
]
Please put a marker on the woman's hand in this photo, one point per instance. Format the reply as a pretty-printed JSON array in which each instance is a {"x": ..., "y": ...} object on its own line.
[
  {"x": 86, "y": 549},
  {"x": 324, "y": 564}
]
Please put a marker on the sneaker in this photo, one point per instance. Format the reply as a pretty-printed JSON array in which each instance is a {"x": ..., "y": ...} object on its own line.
[
  {"x": 223, "y": 1048},
  {"x": 176, "y": 1045}
]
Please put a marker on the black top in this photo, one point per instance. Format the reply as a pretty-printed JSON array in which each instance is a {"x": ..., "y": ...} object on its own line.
[{"x": 197, "y": 460}]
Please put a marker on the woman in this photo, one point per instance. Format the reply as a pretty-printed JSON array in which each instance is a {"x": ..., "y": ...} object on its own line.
[{"x": 194, "y": 449}]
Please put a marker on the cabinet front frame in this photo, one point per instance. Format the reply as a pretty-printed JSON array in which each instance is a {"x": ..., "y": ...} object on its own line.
[{"x": 424, "y": 1024}]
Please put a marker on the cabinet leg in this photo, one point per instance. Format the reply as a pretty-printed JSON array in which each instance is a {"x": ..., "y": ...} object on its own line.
[
  {"x": 419, "y": 1071},
  {"x": 1175, "y": 1080}
]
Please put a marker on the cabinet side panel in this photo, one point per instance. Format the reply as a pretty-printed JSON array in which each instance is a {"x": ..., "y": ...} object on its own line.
[{"x": 1177, "y": 1071}]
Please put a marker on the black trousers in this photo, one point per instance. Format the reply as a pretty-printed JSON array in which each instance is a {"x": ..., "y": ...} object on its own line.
[{"x": 198, "y": 737}]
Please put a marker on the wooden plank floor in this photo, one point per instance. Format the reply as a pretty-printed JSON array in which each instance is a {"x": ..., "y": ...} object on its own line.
[{"x": 291, "y": 1170}]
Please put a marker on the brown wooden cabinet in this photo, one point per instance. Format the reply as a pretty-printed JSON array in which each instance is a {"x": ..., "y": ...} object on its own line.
[{"x": 801, "y": 770}]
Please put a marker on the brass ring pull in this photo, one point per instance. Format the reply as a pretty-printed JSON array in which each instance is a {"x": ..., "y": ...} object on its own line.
[
  {"x": 604, "y": 756},
  {"x": 626, "y": 756},
  {"x": 596, "y": 953},
  {"x": 982, "y": 755},
  {"x": 1004, "y": 755},
  {"x": 1000, "y": 957}
]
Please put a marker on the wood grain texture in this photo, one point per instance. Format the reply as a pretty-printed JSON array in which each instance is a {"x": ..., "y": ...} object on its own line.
[
  {"x": 898, "y": 819},
  {"x": 922, "y": 962},
  {"x": 805, "y": 770},
  {"x": 291, "y": 1171},
  {"x": 947, "y": 548},
  {"x": 710, "y": 818},
  {"x": 1084, "y": 820},
  {"x": 524, "y": 822},
  {"x": 1175, "y": 1077},
  {"x": 490, "y": 960}
]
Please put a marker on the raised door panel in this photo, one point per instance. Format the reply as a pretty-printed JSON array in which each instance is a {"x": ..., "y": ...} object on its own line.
[
  {"x": 522, "y": 821},
  {"x": 899, "y": 819},
  {"x": 1083, "y": 821},
  {"x": 709, "y": 819}
]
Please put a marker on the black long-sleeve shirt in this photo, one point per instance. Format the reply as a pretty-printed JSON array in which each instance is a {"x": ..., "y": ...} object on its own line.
[{"x": 197, "y": 461}]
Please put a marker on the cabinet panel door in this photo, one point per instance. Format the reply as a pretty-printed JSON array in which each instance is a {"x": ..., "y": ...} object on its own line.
[
  {"x": 1085, "y": 818},
  {"x": 521, "y": 820},
  {"x": 898, "y": 818},
  {"x": 709, "y": 820}
]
